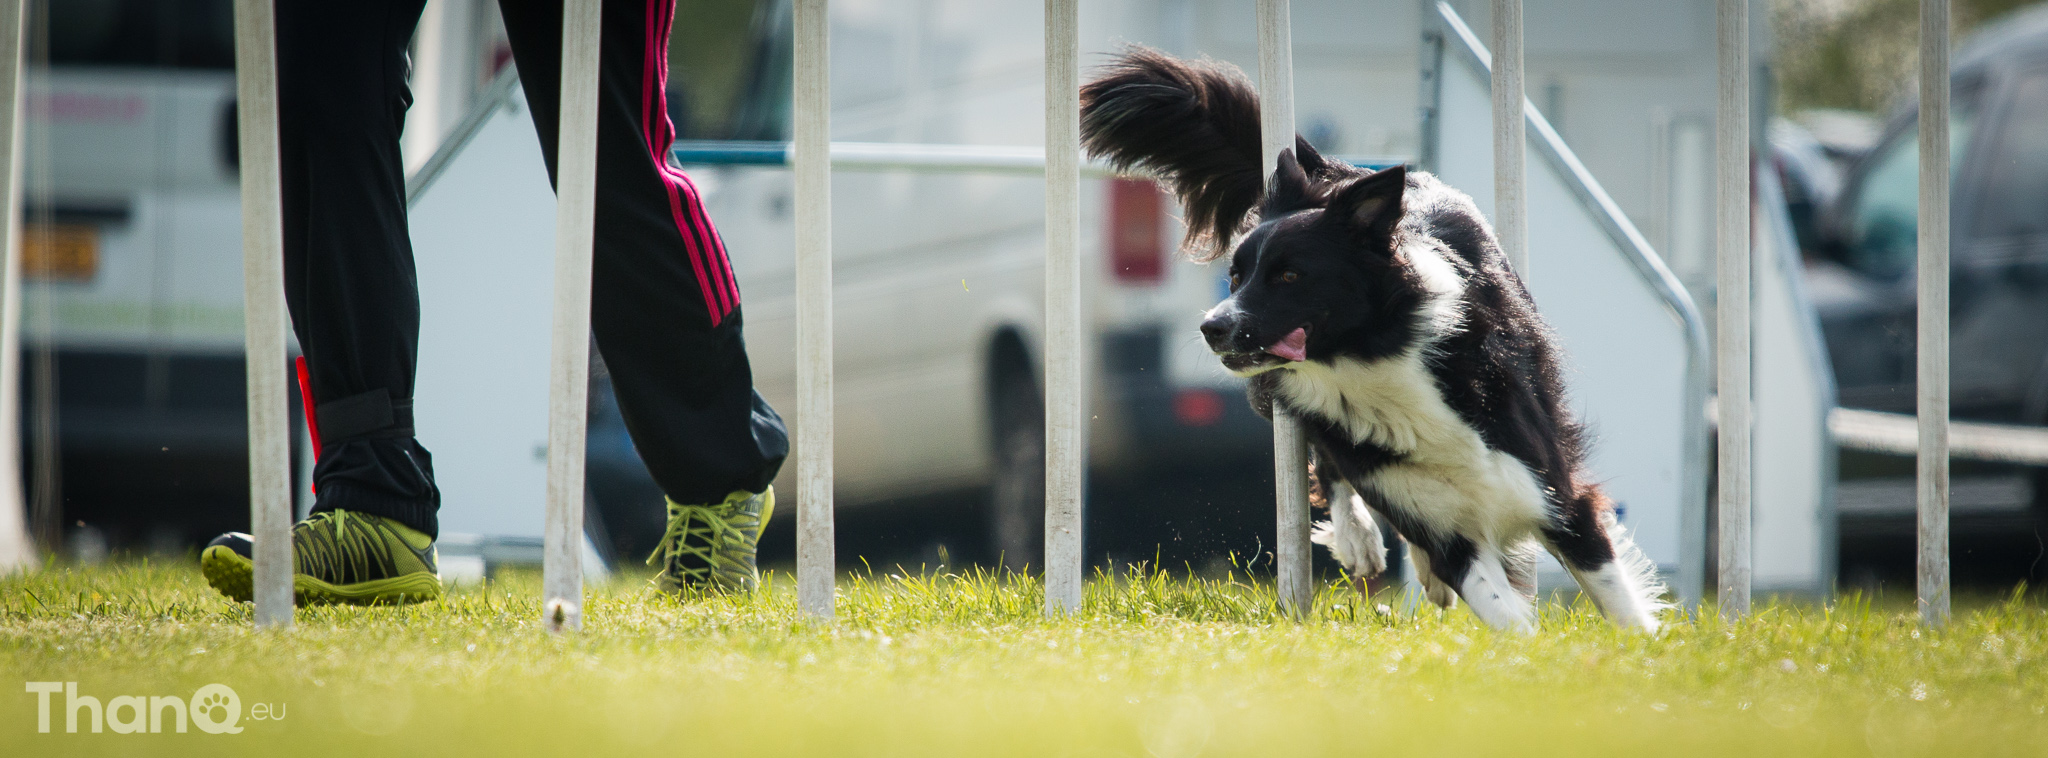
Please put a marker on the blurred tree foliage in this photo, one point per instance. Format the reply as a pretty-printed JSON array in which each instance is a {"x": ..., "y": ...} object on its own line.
[
  {"x": 709, "y": 52},
  {"x": 1859, "y": 54}
]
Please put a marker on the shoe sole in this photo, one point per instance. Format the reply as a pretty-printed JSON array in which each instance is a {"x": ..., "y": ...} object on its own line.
[{"x": 233, "y": 575}]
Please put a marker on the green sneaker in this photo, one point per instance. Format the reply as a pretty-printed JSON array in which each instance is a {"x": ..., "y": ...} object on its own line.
[
  {"x": 713, "y": 546},
  {"x": 337, "y": 557}
]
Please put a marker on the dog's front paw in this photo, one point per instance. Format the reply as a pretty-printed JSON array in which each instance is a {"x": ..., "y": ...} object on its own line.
[
  {"x": 1352, "y": 537},
  {"x": 1325, "y": 534}
]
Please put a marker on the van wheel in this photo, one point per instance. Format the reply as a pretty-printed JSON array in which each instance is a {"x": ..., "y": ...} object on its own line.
[
  {"x": 1017, "y": 492},
  {"x": 2036, "y": 415}
]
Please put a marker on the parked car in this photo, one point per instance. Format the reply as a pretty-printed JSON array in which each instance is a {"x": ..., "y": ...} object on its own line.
[
  {"x": 1864, "y": 286},
  {"x": 1861, "y": 278}
]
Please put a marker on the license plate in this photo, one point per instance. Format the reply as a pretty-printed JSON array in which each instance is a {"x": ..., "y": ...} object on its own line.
[{"x": 60, "y": 251}]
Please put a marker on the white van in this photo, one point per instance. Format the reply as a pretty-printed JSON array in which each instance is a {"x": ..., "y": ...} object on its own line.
[{"x": 133, "y": 297}]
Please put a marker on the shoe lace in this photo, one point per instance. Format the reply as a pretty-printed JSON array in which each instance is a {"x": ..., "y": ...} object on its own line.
[
  {"x": 334, "y": 547},
  {"x": 694, "y": 531}
]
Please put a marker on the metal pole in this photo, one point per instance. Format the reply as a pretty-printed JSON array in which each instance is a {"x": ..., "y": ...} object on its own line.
[
  {"x": 1510, "y": 141},
  {"x": 1065, "y": 441},
  {"x": 1731, "y": 310},
  {"x": 1290, "y": 447},
  {"x": 263, "y": 315},
  {"x": 813, "y": 104},
  {"x": 15, "y": 550},
  {"x": 569, "y": 379},
  {"x": 1932, "y": 471}
]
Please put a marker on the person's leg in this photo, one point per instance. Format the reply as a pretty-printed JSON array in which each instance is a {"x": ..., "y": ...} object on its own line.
[
  {"x": 349, "y": 279},
  {"x": 665, "y": 307},
  {"x": 355, "y": 307}
]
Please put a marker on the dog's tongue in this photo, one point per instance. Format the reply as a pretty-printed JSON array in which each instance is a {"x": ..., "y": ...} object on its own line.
[{"x": 1293, "y": 347}]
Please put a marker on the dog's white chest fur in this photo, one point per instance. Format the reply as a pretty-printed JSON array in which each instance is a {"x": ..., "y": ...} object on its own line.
[{"x": 1446, "y": 475}]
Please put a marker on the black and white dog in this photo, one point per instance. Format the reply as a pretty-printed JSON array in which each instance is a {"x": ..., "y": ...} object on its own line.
[{"x": 1379, "y": 309}]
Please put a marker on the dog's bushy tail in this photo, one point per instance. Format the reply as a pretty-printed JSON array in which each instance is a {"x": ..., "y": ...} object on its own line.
[
  {"x": 1192, "y": 124},
  {"x": 1648, "y": 585}
]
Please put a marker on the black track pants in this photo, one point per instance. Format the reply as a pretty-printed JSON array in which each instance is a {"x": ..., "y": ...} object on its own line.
[{"x": 665, "y": 307}]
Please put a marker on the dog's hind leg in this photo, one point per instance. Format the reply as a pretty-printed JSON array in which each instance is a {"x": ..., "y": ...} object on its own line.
[
  {"x": 1520, "y": 563},
  {"x": 1492, "y": 597},
  {"x": 1609, "y": 567},
  {"x": 1479, "y": 572}
]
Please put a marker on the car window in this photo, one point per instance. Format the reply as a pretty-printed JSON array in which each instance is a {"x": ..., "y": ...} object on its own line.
[
  {"x": 729, "y": 69},
  {"x": 2014, "y": 204},
  {"x": 1885, "y": 219},
  {"x": 763, "y": 110},
  {"x": 140, "y": 33}
]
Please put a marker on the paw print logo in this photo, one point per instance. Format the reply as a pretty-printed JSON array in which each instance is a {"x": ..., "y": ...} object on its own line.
[{"x": 216, "y": 709}]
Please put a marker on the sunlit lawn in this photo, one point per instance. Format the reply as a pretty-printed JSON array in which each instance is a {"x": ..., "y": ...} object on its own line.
[{"x": 968, "y": 666}]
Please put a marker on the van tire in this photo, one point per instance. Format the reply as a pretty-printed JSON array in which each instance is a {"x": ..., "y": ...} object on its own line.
[
  {"x": 1017, "y": 489},
  {"x": 2035, "y": 414}
]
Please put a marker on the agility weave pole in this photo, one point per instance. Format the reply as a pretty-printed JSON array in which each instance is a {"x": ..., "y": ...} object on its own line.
[
  {"x": 1732, "y": 305},
  {"x": 1510, "y": 138},
  {"x": 1065, "y": 431},
  {"x": 16, "y": 552},
  {"x": 569, "y": 377},
  {"x": 815, "y": 559},
  {"x": 263, "y": 313},
  {"x": 1296, "y": 583},
  {"x": 1932, "y": 380}
]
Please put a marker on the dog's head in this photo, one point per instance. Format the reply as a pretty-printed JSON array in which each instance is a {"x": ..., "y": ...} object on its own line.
[{"x": 1322, "y": 275}]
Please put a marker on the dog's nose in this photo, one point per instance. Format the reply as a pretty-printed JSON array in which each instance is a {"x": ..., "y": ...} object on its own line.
[{"x": 1216, "y": 331}]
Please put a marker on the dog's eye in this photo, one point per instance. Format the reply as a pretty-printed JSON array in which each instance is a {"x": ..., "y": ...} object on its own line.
[
  {"x": 1289, "y": 277},
  {"x": 1233, "y": 281}
]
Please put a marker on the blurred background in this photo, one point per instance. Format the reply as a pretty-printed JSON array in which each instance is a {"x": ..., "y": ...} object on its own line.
[{"x": 134, "y": 418}]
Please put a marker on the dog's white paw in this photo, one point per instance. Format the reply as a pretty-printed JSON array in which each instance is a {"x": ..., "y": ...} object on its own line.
[
  {"x": 1324, "y": 533},
  {"x": 1352, "y": 536}
]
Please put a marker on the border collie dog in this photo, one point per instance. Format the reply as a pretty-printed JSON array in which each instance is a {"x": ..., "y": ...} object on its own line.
[{"x": 1379, "y": 309}]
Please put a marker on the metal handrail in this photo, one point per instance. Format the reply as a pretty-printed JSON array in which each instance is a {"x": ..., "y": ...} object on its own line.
[{"x": 1458, "y": 38}]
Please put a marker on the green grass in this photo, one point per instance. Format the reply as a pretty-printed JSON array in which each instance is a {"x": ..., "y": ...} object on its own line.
[{"x": 967, "y": 666}]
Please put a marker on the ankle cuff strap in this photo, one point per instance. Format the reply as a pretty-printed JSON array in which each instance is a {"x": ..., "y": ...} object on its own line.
[{"x": 371, "y": 415}]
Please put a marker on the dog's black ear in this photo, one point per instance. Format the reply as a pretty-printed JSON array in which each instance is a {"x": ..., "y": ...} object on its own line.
[
  {"x": 1289, "y": 190},
  {"x": 1371, "y": 206},
  {"x": 1313, "y": 164}
]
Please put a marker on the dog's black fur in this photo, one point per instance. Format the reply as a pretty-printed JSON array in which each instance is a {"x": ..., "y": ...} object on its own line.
[{"x": 1335, "y": 251}]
